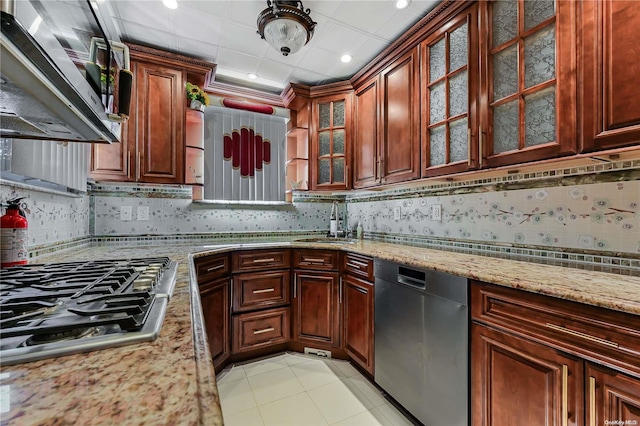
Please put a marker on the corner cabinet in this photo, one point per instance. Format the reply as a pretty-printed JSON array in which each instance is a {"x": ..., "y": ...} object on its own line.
[
  {"x": 541, "y": 360},
  {"x": 330, "y": 142},
  {"x": 610, "y": 106}
]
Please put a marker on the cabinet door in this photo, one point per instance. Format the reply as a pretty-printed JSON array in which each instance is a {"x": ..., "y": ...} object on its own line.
[
  {"x": 330, "y": 142},
  {"x": 611, "y": 107},
  {"x": 612, "y": 398},
  {"x": 366, "y": 156},
  {"x": 160, "y": 99},
  {"x": 216, "y": 303},
  {"x": 519, "y": 382},
  {"x": 400, "y": 144},
  {"x": 316, "y": 308},
  {"x": 358, "y": 321},
  {"x": 529, "y": 107},
  {"x": 450, "y": 90},
  {"x": 114, "y": 162}
]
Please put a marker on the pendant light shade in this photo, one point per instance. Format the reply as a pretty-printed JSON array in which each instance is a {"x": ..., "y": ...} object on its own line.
[{"x": 285, "y": 25}]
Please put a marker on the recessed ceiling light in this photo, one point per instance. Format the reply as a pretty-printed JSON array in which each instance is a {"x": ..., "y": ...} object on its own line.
[
  {"x": 171, "y": 4},
  {"x": 252, "y": 76},
  {"x": 401, "y": 4},
  {"x": 346, "y": 58}
]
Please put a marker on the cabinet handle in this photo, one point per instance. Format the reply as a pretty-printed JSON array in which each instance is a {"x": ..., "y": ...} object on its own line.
[
  {"x": 340, "y": 289},
  {"x": 214, "y": 268},
  {"x": 312, "y": 260},
  {"x": 271, "y": 259},
  {"x": 592, "y": 401},
  {"x": 128, "y": 164},
  {"x": 565, "y": 395},
  {"x": 582, "y": 335},
  {"x": 480, "y": 142},
  {"x": 265, "y": 290},
  {"x": 295, "y": 284},
  {"x": 353, "y": 265},
  {"x": 361, "y": 290},
  {"x": 138, "y": 162},
  {"x": 469, "y": 160},
  {"x": 264, "y": 330},
  {"x": 377, "y": 174},
  {"x": 231, "y": 293},
  {"x": 357, "y": 262}
]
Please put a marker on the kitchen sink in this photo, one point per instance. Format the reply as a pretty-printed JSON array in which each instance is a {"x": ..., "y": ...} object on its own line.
[{"x": 326, "y": 240}]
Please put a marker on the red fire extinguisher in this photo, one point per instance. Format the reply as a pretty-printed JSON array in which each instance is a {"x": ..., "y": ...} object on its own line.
[{"x": 14, "y": 235}]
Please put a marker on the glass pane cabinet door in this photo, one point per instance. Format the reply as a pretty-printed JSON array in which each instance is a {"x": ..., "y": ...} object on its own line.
[
  {"x": 331, "y": 142},
  {"x": 522, "y": 78},
  {"x": 446, "y": 93}
]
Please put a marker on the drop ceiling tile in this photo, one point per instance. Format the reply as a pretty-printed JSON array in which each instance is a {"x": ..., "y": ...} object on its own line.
[
  {"x": 246, "y": 12},
  {"x": 198, "y": 49},
  {"x": 145, "y": 35},
  {"x": 151, "y": 14},
  {"x": 326, "y": 8},
  {"x": 196, "y": 26},
  {"x": 216, "y": 8},
  {"x": 402, "y": 21},
  {"x": 367, "y": 16},
  {"x": 274, "y": 71},
  {"x": 303, "y": 76},
  {"x": 243, "y": 39},
  {"x": 337, "y": 37},
  {"x": 235, "y": 61},
  {"x": 320, "y": 61}
]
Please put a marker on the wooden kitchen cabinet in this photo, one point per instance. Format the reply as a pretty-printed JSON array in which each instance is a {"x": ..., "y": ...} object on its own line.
[
  {"x": 358, "y": 309},
  {"x": 577, "y": 363},
  {"x": 331, "y": 141},
  {"x": 256, "y": 330},
  {"x": 215, "y": 298},
  {"x": 611, "y": 396},
  {"x": 316, "y": 299},
  {"x": 366, "y": 152},
  {"x": 610, "y": 68},
  {"x": 450, "y": 90},
  {"x": 400, "y": 115}
]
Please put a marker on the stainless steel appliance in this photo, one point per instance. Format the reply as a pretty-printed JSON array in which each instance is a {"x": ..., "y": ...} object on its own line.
[
  {"x": 49, "y": 310},
  {"x": 47, "y": 92},
  {"x": 422, "y": 342}
]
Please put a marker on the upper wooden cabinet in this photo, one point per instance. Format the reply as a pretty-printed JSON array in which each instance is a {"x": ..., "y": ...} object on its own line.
[
  {"x": 450, "y": 81},
  {"x": 528, "y": 64},
  {"x": 400, "y": 114},
  {"x": 611, "y": 66},
  {"x": 330, "y": 142},
  {"x": 366, "y": 152},
  {"x": 153, "y": 143}
]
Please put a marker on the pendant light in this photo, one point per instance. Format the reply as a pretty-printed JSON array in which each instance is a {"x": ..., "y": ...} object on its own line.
[{"x": 285, "y": 25}]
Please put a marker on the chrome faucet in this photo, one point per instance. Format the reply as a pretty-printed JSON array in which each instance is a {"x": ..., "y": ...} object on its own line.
[{"x": 338, "y": 222}]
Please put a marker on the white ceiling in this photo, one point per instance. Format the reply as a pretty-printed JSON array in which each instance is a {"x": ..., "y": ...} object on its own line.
[{"x": 224, "y": 32}]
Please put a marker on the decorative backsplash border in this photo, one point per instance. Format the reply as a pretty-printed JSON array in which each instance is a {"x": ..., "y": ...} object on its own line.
[{"x": 140, "y": 191}]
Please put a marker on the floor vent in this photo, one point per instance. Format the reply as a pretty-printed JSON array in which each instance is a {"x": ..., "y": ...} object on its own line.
[{"x": 317, "y": 352}]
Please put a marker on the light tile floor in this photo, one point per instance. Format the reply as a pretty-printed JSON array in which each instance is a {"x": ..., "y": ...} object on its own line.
[{"x": 300, "y": 390}]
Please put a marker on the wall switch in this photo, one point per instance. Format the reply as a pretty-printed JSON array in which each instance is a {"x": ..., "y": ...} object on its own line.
[
  {"x": 436, "y": 212},
  {"x": 397, "y": 213},
  {"x": 143, "y": 212},
  {"x": 126, "y": 212}
]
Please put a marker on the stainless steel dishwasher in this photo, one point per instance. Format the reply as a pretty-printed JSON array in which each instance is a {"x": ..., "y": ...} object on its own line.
[{"x": 422, "y": 342}]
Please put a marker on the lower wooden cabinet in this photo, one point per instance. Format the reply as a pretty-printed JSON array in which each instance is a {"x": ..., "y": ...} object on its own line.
[
  {"x": 316, "y": 313},
  {"x": 215, "y": 299},
  {"x": 255, "y": 330},
  {"x": 358, "y": 321},
  {"x": 517, "y": 382},
  {"x": 612, "y": 398}
]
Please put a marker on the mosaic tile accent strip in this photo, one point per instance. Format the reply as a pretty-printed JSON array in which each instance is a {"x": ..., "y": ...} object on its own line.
[{"x": 140, "y": 191}]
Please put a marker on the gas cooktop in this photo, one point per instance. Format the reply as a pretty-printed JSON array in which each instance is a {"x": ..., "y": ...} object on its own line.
[{"x": 55, "y": 309}]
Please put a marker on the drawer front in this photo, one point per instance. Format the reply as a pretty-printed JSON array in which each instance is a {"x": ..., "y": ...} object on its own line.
[
  {"x": 258, "y": 329},
  {"x": 260, "y": 289},
  {"x": 357, "y": 265},
  {"x": 316, "y": 259},
  {"x": 211, "y": 267},
  {"x": 611, "y": 337},
  {"x": 255, "y": 260}
]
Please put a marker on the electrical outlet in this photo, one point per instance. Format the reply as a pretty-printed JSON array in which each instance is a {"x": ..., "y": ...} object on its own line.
[
  {"x": 436, "y": 212},
  {"x": 126, "y": 212},
  {"x": 143, "y": 212},
  {"x": 397, "y": 213}
]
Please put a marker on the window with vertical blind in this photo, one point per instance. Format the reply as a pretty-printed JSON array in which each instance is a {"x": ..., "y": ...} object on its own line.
[{"x": 244, "y": 155}]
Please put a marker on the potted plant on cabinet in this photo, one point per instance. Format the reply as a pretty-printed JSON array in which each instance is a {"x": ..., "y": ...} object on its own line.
[{"x": 196, "y": 97}]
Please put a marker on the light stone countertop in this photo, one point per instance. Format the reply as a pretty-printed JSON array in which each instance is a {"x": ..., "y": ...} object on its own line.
[{"x": 171, "y": 380}]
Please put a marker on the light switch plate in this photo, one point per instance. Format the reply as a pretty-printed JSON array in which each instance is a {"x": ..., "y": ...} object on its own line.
[
  {"x": 397, "y": 213},
  {"x": 143, "y": 212},
  {"x": 126, "y": 212},
  {"x": 436, "y": 212}
]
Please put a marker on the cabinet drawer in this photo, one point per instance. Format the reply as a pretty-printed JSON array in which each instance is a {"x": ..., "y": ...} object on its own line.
[
  {"x": 211, "y": 267},
  {"x": 257, "y": 329},
  {"x": 316, "y": 259},
  {"x": 610, "y": 337},
  {"x": 260, "y": 289},
  {"x": 357, "y": 265},
  {"x": 254, "y": 260}
]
